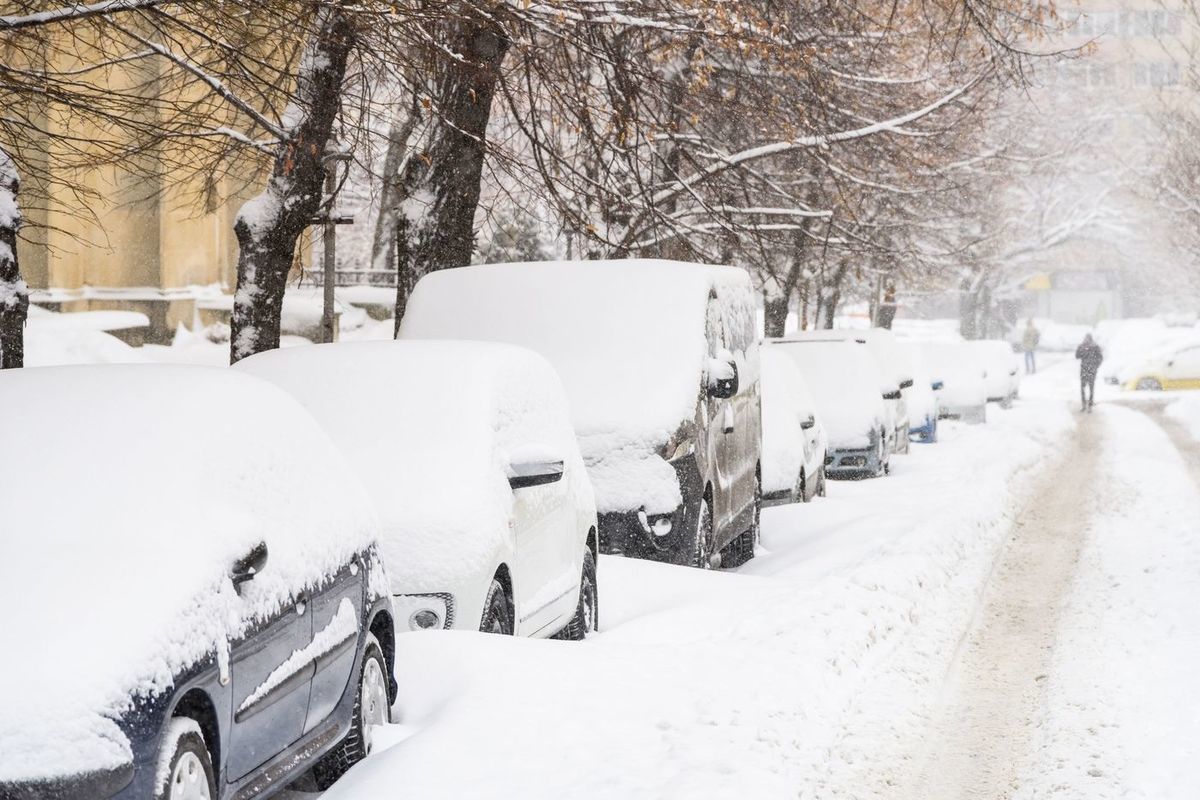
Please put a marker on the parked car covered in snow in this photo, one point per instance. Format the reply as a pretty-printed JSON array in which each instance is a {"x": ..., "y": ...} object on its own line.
[
  {"x": 206, "y": 616},
  {"x": 964, "y": 392},
  {"x": 892, "y": 371},
  {"x": 794, "y": 443},
  {"x": 843, "y": 379},
  {"x": 1003, "y": 367},
  {"x": 469, "y": 456},
  {"x": 660, "y": 364},
  {"x": 922, "y": 399},
  {"x": 1173, "y": 368}
]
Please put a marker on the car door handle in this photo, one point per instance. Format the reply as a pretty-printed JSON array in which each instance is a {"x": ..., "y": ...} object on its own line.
[{"x": 301, "y": 605}]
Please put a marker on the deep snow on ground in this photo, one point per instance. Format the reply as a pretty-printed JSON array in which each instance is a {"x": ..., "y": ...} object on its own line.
[
  {"x": 789, "y": 678},
  {"x": 1122, "y": 717},
  {"x": 1186, "y": 410}
]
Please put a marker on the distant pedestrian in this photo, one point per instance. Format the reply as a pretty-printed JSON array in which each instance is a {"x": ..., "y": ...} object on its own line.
[
  {"x": 1029, "y": 343},
  {"x": 1090, "y": 357}
]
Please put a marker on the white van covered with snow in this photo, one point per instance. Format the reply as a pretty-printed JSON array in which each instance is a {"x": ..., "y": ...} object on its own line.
[
  {"x": 467, "y": 451},
  {"x": 963, "y": 375},
  {"x": 660, "y": 363}
]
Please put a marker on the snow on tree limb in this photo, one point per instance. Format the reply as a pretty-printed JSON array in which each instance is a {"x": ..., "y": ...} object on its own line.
[{"x": 76, "y": 11}]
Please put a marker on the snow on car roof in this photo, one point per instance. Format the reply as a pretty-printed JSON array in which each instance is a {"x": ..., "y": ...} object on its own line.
[
  {"x": 431, "y": 428},
  {"x": 627, "y": 337},
  {"x": 128, "y": 492},
  {"x": 894, "y": 368},
  {"x": 842, "y": 378}
]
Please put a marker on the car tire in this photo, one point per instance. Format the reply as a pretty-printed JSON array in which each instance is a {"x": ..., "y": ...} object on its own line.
[
  {"x": 189, "y": 772},
  {"x": 587, "y": 611},
  {"x": 702, "y": 538},
  {"x": 497, "y": 618},
  {"x": 1149, "y": 385},
  {"x": 372, "y": 706}
]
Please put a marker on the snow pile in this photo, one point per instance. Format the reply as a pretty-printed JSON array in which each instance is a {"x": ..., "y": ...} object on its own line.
[
  {"x": 1122, "y": 719},
  {"x": 843, "y": 380},
  {"x": 627, "y": 337},
  {"x": 53, "y": 339},
  {"x": 731, "y": 684},
  {"x": 170, "y": 474},
  {"x": 432, "y": 433},
  {"x": 1187, "y": 411},
  {"x": 782, "y": 436}
]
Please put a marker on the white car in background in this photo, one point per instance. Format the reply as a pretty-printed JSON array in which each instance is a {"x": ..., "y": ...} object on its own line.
[
  {"x": 794, "y": 442},
  {"x": 923, "y": 397},
  {"x": 964, "y": 392},
  {"x": 844, "y": 384},
  {"x": 466, "y": 448},
  {"x": 1003, "y": 369},
  {"x": 891, "y": 366}
]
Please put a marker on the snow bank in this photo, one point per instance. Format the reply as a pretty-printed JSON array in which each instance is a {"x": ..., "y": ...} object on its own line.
[
  {"x": 127, "y": 492},
  {"x": 1187, "y": 411},
  {"x": 844, "y": 381},
  {"x": 53, "y": 339},
  {"x": 732, "y": 684},
  {"x": 431, "y": 432},
  {"x": 627, "y": 337},
  {"x": 1122, "y": 719}
]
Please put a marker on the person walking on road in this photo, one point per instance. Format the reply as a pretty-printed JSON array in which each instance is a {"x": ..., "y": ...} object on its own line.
[
  {"x": 1090, "y": 357},
  {"x": 1029, "y": 343}
]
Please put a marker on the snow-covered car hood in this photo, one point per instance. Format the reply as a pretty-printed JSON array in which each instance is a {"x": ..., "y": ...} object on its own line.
[
  {"x": 431, "y": 428},
  {"x": 136, "y": 489}
]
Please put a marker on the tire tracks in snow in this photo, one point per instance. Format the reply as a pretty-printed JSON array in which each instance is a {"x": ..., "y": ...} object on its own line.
[{"x": 995, "y": 688}]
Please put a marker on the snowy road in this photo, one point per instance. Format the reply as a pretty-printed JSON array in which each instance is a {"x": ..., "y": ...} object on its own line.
[{"x": 1010, "y": 615}]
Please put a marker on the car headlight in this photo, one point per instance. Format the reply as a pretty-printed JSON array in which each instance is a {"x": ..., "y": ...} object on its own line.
[{"x": 425, "y": 612}]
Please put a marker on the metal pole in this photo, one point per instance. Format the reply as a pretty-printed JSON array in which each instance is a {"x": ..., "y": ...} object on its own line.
[{"x": 329, "y": 240}]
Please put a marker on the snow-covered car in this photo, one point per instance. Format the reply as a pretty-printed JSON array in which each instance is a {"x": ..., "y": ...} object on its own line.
[
  {"x": 794, "y": 442},
  {"x": 1129, "y": 343},
  {"x": 891, "y": 366},
  {"x": 842, "y": 377},
  {"x": 466, "y": 448},
  {"x": 1175, "y": 368},
  {"x": 1003, "y": 368},
  {"x": 922, "y": 398},
  {"x": 964, "y": 392},
  {"x": 660, "y": 363},
  {"x": 190, "y": 592}
]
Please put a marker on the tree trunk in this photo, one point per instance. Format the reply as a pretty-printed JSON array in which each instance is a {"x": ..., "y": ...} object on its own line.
[
  {"x": 886, "y": 313},
  {"x": 14, "y": 294},
  {"x": 447, "y": 176},
  {"x": 835, "y": 294},
  {"x": 269, "y": 226},
  {"x": 775, "y": 311},
  {"x": 392, "y": 190}
]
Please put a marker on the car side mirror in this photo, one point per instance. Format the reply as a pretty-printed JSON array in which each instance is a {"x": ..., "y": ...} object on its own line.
[
  {"x": 809, "y": 423},
  {"x": 534, "y": 473},
  {"x": 937, "y": 386},
  {"x": 906, "y": 384},
  {"x": 892, "y": 395},
  {"x": 249, "y": 565},
  {"x": 722, "y": 378}
]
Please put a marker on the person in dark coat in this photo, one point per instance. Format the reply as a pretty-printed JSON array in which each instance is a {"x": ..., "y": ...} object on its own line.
[{"x": 1090, "y": 358}]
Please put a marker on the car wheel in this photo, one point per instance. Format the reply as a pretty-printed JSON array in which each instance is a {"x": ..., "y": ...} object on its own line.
[
  {"x": 496, "y": 615},
  {"x": 1149, "y": 385},
  {"x": 372, "y": 707},
  {"x": 801, "y": 493},
  {"x": 702, "y": 543},
  {"x": 188, "y": 772},
  {"x": 587, "y": 612}
]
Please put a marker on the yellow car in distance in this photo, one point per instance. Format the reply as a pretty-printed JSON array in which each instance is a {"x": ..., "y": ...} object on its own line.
[{"x": 1176, "y": 369}]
